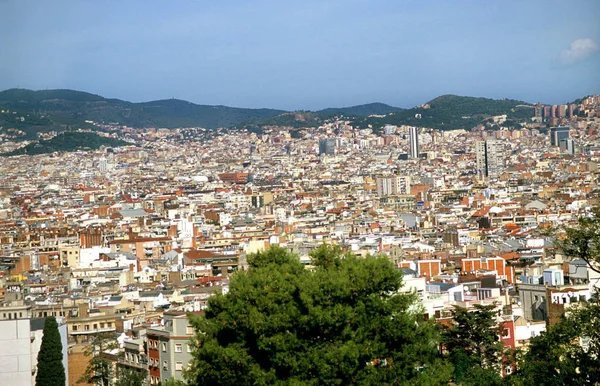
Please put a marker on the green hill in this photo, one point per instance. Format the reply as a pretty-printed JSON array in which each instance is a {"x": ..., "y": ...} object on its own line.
[
  {"x": 299, "y": 119},
  {"x": 68, "y": 141},
  {"x": 35, "y": 111},
  {"x": 38, "y": 111},
  {"x": 360, "y": 110},
  {"x": 449, "y": 112}
]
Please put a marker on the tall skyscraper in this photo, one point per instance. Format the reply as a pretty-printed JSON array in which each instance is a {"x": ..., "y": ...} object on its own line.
[
  {"x": 490, "y": 157},
  {"x": 103, "y": 164},
  {"x": 327, "y": 146},
  {"x": 414, "y": 142},
  {"x": 567, "y": 145},
  {"x": 558, "y": 134}
]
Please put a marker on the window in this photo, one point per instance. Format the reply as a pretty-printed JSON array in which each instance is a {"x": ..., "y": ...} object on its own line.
[
  {"x": 165, "y": 365},
  {"x": 178, "y": 366},
  {"x": 127, "y": 356},
  {"x": 155, "y": 344},
  {"x": 189, "y": 330},
  {"x": 189, "y": 348},
  {"x": 506, "y": 333},
  {"x": 164, "y": 347},
  {"x": 178, "y": 348}
]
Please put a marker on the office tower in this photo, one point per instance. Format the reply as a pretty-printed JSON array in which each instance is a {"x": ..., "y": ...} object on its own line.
[
  {"x": 490, "y": 157},
  {"x": 553, "y": 111},
  {"x": 558, "y": 134},
  {"x": 567, "y": 145},
  {"x": 414, "y": 142},
  {"x": 327, "y": 146},
  {"x": 103, "y": 164},
  {"x": 572, "y": 110}
]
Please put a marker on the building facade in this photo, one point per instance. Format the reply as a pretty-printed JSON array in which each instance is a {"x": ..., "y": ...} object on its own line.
[
  {"x": 414, "y": 142},
  {"x": 490, "y": 158}
]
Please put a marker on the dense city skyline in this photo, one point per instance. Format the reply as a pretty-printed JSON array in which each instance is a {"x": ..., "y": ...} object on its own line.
[{"x": 304, "y": 56}]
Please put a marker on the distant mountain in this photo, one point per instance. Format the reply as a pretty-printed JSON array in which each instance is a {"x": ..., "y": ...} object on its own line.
[
  {"x": 449, "y": 112},
  {"x": 68, "y": 141},
  {"x": 34, "y": 111},
  {"x": 360, "y": 110},
  {"x": 299, "y": 119}
]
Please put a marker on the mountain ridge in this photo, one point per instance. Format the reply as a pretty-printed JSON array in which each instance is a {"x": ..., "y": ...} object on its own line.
[{"x": 33, "y": 111}]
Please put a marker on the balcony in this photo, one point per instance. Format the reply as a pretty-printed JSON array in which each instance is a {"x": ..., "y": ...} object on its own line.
[{"x": 93, "y": 331}]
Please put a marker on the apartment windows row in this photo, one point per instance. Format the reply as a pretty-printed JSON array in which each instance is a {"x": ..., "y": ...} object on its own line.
[
  {"x": 94, "y": 326},
  {"x": 130, "y": 357}
]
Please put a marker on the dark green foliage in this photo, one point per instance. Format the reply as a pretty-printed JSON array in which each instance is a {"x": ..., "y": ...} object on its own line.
[
  {"x": 359, "y": 111},
  {"x": 172, "y": 382},
  {"x": 129, "y": 377},
  {"x": 68, "y": 141},
  {"x": 583, "y": 241},
  {"x": 473, "y": 345},
  {"x": 300, "y": 119},
  {"x": 67, "y": 107},
  {"x": 568, "y": 353},
  {"x": 450, "y": 112},
  {"x": 341, "y": 323},
  {"x": 100, "y": 369},
  {"x": 50, "y": 369}
]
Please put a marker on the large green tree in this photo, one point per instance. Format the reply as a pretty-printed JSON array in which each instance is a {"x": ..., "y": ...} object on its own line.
[
  {"x": 50, "y": 369},
  {"x": 473, "y": 345},
  {"x": 568, "y": 353},
  {"x": 100, "y": 369},
  {"x": 342, "y": 322},
  {"x": 583, "y": 240},
  {"x": 130, "y": 377}
]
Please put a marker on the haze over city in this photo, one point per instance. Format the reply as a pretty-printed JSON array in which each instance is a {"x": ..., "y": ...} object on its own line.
[{"x": 304, "y": 55}]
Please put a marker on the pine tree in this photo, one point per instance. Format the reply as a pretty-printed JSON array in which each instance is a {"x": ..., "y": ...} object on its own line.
[
  {"x": 51, "y": 371},
  {"x": 343, "y": 322}
]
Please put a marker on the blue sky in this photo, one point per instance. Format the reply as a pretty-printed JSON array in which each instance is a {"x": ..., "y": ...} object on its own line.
[{"x": 304, "y": 54}]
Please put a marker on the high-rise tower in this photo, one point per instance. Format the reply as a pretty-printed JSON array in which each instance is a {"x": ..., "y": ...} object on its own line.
[
  {"x": 414, "y": 142},
  {"x": 490, "y": 157}
]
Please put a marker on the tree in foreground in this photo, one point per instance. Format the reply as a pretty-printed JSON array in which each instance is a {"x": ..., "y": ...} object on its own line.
[
  {"x": 50, "y": 369},
  {"x": 343, "y": 322},
  {"x": 473, "y": 346},
  {"x": 100, "y": 369},
  {"x": 568, "y": 353},
  {"x": 583, "y": 240},
  {"x": 130, "y": 377}
]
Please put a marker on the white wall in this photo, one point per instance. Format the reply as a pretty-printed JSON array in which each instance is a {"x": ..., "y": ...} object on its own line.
[{"x": 15, "y": 353}]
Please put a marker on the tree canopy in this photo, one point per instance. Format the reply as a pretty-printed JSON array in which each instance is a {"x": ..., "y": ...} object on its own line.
[
  {"x": 100, "y": 369},
  {"x": 583, "y": 240},
  {"x": 473, "y": 345},
  {"x": 342, "y": 322},
  {"x": 567, "y": 353},
  {"x": 50, "y": 369}
]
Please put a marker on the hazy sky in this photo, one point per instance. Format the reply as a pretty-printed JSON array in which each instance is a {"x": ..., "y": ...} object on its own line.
[{"x": 304, "y": 54}]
